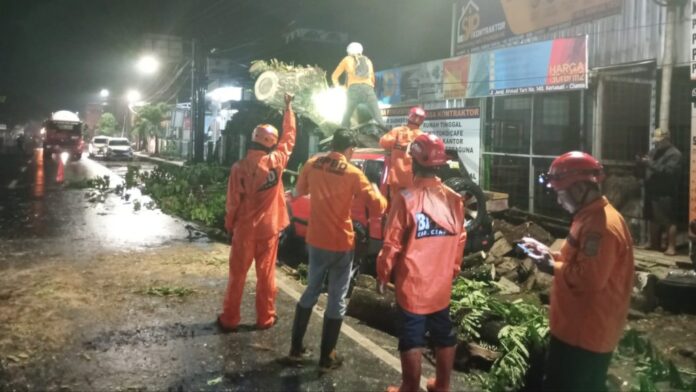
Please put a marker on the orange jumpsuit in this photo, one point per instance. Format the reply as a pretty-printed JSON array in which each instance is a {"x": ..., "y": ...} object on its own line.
[
  {"x": 396, "y": 143},
  {"x": 333, "y": 182},
  {"x": 423, "y": 245},
  {"x": 256, "y": 214},
  {"x": 593, "y": 279}
]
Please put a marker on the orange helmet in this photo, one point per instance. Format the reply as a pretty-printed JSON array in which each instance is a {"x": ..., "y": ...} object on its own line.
[
  {"x": 572, "y": 167},
  {"x": 265, "y": 135},
  {"x": 428, "y": 150}
]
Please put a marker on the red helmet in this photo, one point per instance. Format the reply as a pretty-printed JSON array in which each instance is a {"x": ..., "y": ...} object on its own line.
[
  {"x": 265, "y": 135},
  {"x": 428, "y": 150},
  {"x": 572, "y": 167},
  {"x": 416, "y": 115}
]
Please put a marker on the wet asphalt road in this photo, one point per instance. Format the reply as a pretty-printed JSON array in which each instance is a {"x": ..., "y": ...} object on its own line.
[
  {"x": 39, "y": 214},
  {"x": 159, "y": 346}
]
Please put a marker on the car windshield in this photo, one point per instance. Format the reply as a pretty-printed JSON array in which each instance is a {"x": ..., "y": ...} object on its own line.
[
  {"x": 119, "y": 143},
  {"x": 101, "y": 140}
]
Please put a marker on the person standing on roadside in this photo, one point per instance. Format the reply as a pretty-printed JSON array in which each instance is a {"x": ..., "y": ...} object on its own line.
[
  {"x": 332, "y": 183},
  {"x": 592, "y": 277},
  {"x": 396, "y": 143},
  {"x": 423, "y": 247},
  {"x": 360, "y": 83},
  {"x": 663, "y": 174},
  {"x": 256, "y": 214}
]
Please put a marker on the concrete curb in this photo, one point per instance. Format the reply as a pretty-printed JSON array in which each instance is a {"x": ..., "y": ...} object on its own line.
[{"x": 146, "y": 157}]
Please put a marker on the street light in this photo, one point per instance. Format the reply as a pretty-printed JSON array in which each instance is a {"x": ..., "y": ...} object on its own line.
[
  {"x": 148, "y": 65},
  {"x": 132, "y": 97},
  {"x": 104, "y": 93}
]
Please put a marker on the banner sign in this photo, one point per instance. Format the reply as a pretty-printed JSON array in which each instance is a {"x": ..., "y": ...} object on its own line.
[
  {"x": 481, "y": 23},
  {"x": 560, "y": 64},
  {"x": 459, "y": 128}
]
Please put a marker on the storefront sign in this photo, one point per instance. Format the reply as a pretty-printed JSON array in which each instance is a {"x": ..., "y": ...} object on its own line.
[
  {"x": 482, "y": 23},
  {"x": 459, "y": 128},
  {"x": 555, "y": 65}
]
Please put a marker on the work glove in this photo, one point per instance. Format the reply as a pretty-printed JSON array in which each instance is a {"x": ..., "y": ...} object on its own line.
[{"x": 539, "y": 253}]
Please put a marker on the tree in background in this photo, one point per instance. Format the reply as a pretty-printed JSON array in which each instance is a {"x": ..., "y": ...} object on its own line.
[
  {"x": 107, "y": 124},
  {"x": 149, "y": 121}
]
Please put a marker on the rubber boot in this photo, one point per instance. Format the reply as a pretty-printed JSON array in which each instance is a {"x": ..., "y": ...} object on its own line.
[
  {"x": 671, "y": 240},
  {"x": 410, "y": 371},
  {"x": 329, "y": 359},
  {"x": 299, "y": 327},
  {"x": 444, "y": 361}
]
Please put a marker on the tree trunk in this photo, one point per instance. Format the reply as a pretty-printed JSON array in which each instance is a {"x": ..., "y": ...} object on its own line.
[{"x": 156, "y": 143}]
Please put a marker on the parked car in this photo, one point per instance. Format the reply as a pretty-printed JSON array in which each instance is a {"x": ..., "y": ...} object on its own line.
[
  {"x": 97, "y": 147},
  {"x": 368, "y": 228},
  {"x": 119, "y": 148}
]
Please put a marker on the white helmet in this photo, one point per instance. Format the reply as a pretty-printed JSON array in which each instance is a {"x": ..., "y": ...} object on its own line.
[{"x": 354, "y": 49}]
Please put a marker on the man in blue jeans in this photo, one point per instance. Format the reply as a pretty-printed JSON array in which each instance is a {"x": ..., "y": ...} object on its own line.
[{"x": 332, "y": 183}]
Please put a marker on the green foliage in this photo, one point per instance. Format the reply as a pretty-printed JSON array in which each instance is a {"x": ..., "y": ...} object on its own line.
[
  {"x": 651, "y": 369},
  {"x": 107, "y": 124},
  {"x": 168, "y": 291},
  {"x": 132, "y": 176},
  {"x": 196, "y": 192},
  {"x": 526, "y": 329}
]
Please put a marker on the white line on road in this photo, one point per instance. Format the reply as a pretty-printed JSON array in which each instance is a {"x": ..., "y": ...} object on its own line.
[
  {"x": 357, "y": 337},
  {"x": 12, "y": 185}
]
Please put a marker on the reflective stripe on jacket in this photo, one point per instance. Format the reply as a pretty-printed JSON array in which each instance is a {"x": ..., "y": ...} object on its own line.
[
  {"x": 255, "y": 195},
  {"x": 423, "y": 245},
  {"x": 593, "y": 280},
  {"x": 332, "y": 183},
  {"x": 396, "y": 143}
]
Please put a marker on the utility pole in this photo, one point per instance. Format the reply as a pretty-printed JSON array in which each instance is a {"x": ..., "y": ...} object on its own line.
[
  {"x": 667, "y": 61},
  {"x": 197, "y": 101}
]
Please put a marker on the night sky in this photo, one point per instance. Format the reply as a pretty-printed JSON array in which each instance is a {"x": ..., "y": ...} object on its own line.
[{"x": 58, "y": 54}]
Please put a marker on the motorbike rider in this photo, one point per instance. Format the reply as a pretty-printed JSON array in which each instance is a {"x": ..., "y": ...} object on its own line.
[
  {"x": 423, "y": 247},
  {"x": 593, "y": 277},
  {"x": 332, "y": 183},
  {"x": 256, "y": 213},
  {"x": 396, "y": 143},
  {"x": 360, "y": 82}
]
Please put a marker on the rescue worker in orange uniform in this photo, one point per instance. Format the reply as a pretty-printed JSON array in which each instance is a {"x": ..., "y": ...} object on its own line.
[
  {"x": 256, "y": 214},
  {"x": 423, "y": 247},
  {"x": 360, "y": 83},
  {"x": 396, "y": 143},
  {"x": 332, "y": 183},
  {"x": 593, "y": 277}
]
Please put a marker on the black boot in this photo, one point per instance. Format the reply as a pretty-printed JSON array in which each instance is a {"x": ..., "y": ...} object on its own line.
[
  {"x": 329, "y": 337},
  {"x": 299, "y": 327}
]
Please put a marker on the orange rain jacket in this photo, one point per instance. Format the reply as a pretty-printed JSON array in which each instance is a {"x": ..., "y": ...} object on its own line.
[
  {"x": 332, "y": 183},
  {"x": 423, "y": 245},
  {"x": 396, "y": 143},
  {"x": 347, "y": 65},
  {"x": 593, "y": 279},
  {"x": 255, "y": 202}
]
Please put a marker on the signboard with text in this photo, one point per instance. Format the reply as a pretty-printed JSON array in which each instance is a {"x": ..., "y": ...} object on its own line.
[
  {"x": 480, "y": 24},
  {"x": 459, "y": 128},
  {"x": 555, "y": 65}
]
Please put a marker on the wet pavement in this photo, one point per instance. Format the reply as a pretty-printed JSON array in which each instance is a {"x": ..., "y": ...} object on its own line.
[{"x": 77, "y": 310}]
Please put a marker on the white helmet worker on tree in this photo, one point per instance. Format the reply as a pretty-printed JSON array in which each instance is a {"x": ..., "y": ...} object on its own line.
[{"x": 359, "y": 81}]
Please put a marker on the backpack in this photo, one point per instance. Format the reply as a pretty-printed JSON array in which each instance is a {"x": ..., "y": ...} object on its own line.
[{"x": 362, "y": 67}]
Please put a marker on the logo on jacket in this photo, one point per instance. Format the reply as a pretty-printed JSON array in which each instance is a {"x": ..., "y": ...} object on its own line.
[
  {"x": 425, "y": 227},
  {"x": 271, "y": 180}
]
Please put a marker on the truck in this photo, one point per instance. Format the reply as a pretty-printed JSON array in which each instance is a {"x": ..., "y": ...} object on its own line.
[{"x": 62, "y": 132}]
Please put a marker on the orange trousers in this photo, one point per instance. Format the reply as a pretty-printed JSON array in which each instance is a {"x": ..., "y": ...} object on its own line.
[{"x": 244, "y": 251}]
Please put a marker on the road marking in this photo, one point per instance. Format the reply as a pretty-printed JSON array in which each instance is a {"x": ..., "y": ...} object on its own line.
[
  {"x": 12, "y": 185},
  {"x": 357, "y": 337}
]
